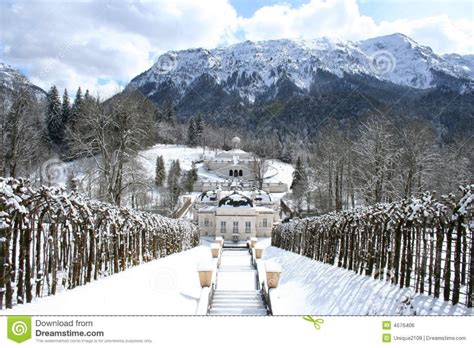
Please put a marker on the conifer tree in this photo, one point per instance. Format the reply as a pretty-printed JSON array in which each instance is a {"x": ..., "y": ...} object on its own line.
[
  {"x": 169, "y": 115},
  {"x": 54, "y": 118},
  {"x": 160, "y": 172},
  {"x": 299, "y": 179},
  {"x": 66, "y": 108},
  {"x": 192, "y": 133},
  {"x": 199, "y": 127},
  {"x": 174, "y": 181},
  {"x": 77, "y": 107},
  {"x": 190, "y": 178}
]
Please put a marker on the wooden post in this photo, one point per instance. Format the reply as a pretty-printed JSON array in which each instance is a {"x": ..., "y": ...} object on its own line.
[{"x": 3, "y": 247}]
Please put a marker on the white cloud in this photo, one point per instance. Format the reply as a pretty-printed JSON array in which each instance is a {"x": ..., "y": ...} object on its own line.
[
  {"x": 342, "y": 19},
  {"x": 85, "y": 42},
  {"x": 77, "y": 43}
]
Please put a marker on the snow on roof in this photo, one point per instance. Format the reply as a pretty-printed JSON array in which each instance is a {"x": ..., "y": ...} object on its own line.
[
  {"x": 236, "y": 200},
  {"x": 262, "y": 196},
  {"x": 208, "y": 196}
]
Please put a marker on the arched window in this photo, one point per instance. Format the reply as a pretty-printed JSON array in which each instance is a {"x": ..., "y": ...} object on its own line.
[
  {"x": 231, "y": 172},
  {"x": 236, "y": 173},
  {"x": 241, "y": 172}
]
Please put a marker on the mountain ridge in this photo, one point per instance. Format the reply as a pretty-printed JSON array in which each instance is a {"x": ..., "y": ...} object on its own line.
[{"x": 254, "y": 69}]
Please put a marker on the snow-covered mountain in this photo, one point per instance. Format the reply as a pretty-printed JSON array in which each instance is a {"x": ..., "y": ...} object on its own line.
[
  {"x": 466, "y": 62},
  {"x": 11, "y": 79},
  {"x": 261, "y": 70}
]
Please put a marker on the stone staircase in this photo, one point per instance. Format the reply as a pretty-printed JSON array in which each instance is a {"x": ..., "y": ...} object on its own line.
[
  {"x": 239, "y": 302},
  {"x": 237, "y": 289}
]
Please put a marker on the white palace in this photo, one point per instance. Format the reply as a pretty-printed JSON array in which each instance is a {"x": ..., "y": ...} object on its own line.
[{"x": 235, "y": 209}]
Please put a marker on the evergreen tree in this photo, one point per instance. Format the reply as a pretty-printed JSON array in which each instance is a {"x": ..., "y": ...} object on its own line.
[
  {"x": 199, "y": 127},
  {"x": 77, "y": 108},
  {"x": 194, "y": 172},
  {"x": 192, "y": 133},
  {"x": 190, "y": 178},
  {"x": 169, "y": 115},
  {"x": 66, "y": 108},
  {"x": 174, "y": 181},
  {"x": 54, "y": 118},
  {"x": 299, "y": 183},
  {"x": 160, "y": 172}
]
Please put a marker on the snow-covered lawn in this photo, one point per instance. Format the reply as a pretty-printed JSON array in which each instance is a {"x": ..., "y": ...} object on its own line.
[
  {"x": 186, "y": 155},
  {"x": 277, "y": 170},
  {"x": 165, "y": 286},
  {"x": 311, "y": 287}
]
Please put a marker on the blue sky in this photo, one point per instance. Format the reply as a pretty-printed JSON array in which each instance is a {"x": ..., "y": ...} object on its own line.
[
  {"x": 100, "y": 45},
  {"x": 380, "y": 10}
]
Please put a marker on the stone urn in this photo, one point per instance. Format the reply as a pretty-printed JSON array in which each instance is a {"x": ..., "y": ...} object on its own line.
[
  {"x": 253, "y": 241},
  {"x": 220, "y": 240},
  {"x": 215, "y": 249},
  {"x": 258, "y": 252},
  {"x": 273, "y": 271},
  {"x": 205, "y": 269}
]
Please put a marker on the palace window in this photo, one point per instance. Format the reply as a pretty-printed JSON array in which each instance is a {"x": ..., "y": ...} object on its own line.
[
  {"x": 241, "y": 172},
  {"x": 236, "y": 173},
  {"x": 247, "y": 227},
  {"x": 223, "y": 226},
  {"x": 231, "y": 172},
  {"x": 206, "y": 222},
  {"x": 265, "y": 223},
  {"x": 235, "y": 227}
]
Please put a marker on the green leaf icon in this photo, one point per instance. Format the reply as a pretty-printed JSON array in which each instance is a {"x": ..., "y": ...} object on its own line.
[{"x": 19, "y": 328}]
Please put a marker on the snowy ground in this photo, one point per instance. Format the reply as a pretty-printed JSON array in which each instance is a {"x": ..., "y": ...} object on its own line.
[
  {"x": 311, "y": 287},
  {"x": 277, "y": 170},
  {"x": 171, "y": 286},
  {"x": 164, "y": 286},
  {"x": 186, "y": 156}
]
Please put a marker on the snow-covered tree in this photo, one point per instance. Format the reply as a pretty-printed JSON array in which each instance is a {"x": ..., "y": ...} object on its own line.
[
  {"x": 21, "y": 139},
  {"x": 66, "y": 108},
  {"x": 112, "y": 133},
  {"x": 377, "y": 154},
  {"x": 189, "y": 178},
  {"x": 160, "y": 171},
  {"x": 174, "y": 183},
  {"x": 199, "y": 127},
  {"x": 299, "y": 185},
  {"x": 54, "y": 118},
  {"x": 192, "y": 133}
]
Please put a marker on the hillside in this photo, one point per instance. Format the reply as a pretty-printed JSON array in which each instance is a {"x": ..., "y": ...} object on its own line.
[{"x": 262, "y": 85}]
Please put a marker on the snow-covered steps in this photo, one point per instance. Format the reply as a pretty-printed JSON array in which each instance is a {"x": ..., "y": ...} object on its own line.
[
  {"x": 228, "y": 302},
  {"x": 237, "y": 286}
]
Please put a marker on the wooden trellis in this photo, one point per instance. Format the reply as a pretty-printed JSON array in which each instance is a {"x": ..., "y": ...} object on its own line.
[
  {"x": 51, "y": 239},
  {"x": 426, "y": 244}
]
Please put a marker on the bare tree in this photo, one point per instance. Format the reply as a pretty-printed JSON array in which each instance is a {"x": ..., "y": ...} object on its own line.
[
  {"x": 112, "y": 133},
  {"x": 377, "y": 154},
  {"x": 21, "y": 133}
]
